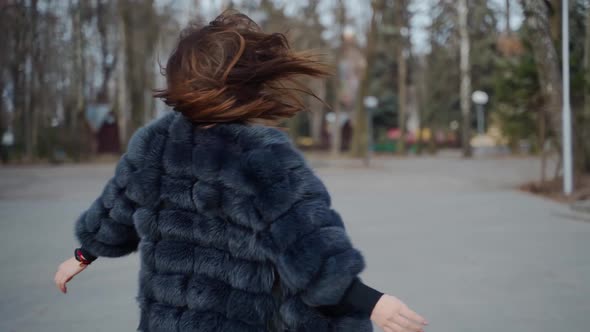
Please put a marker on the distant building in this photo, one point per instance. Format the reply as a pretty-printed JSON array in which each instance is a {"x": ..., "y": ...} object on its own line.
[
  {"x": 509, "y": 45},
  {"x": 103, "y": 123}
]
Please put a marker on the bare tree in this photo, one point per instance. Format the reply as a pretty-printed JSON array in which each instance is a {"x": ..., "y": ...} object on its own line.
[
  {"x": 463, "y": 11},
  {"x": 108, "y": 52},
  {"x": 313, "y": 40},
  {"x": 336, "y": 136},
  {"x": 140, "y": 29},
  {"x": 538, "y": 20},
  {"x": 507, "y": 28},
  {"x": 586, "y": 63},
  {"x": 360, "y": 137},
  {"x": 582, "y": 146},
  {"x": 402, "y": 74}
]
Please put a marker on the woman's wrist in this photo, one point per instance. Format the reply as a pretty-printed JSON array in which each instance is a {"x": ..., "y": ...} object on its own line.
[
  {"x": 391, "y": 310},
  {"x": 377, "y": 311}
]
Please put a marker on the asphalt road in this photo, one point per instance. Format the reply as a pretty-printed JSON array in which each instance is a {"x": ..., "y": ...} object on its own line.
[{"x": 450, "y": 237}]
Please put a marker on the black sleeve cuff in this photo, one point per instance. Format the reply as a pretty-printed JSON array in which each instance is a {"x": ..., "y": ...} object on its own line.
[
  {"x": 361, "y": 297},
  {"x": 357, "y": 298}
]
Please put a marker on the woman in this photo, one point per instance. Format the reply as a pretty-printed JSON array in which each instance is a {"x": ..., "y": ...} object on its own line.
[{"x": 235, "y": 231}]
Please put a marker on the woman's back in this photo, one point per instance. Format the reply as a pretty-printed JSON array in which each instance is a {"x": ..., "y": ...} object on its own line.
[{"x": 235, "y": 232}]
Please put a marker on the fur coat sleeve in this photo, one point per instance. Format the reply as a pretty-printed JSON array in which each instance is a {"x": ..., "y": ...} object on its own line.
[{"x": 106, "y": 228}]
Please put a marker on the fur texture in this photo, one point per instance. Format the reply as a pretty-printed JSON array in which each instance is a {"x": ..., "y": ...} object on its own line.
[{"x": 235, "y": 231}]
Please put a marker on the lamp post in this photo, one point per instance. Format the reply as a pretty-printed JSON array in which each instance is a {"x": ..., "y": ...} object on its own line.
[
  {"x": 480, "y": 98},
  {"x": 566, "y": 120},
  {"x": 370, "y": 103}
]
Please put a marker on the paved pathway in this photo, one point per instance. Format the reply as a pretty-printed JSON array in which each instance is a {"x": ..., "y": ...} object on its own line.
[{"x": 448, "y": 236}]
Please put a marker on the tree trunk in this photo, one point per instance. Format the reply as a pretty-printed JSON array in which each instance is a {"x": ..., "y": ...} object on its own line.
[
  {"x": 140, "y": 29},
  {"x": 542, "y": 135},
  {"x": 402, "y": 74},
  {"x": 30, "y": 108},
  {"x": 336, "y": 137},
  {"x": 507, "y": 28},
  {"x": 133, "y": 84},
  {"x": 336, "y": 130},
  {"x": 360, "y": 138},
  {"x": 122, "y": 103},
  {"x": 77, "y": 127},
  {"x": 107, "y": 67},
  {"x": 548, "y": 66},
  {"x": 554, "y": 11},
  {"x": 465, "y": 78},
  {"x": 293, "y": 125},
  {"x": 18, "y": 99},
  {"x": 36, "y": 88},
  {"x": 316, "y": 119},
  {"x": 584, "y": 127},
  {"x": 422, "y": 103}
]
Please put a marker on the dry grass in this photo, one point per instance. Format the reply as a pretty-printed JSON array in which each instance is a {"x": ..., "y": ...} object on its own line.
[{"x": 553, "y": 189}]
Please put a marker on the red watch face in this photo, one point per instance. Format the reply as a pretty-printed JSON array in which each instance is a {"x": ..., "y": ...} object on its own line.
[{"x": 80, "y": 257}]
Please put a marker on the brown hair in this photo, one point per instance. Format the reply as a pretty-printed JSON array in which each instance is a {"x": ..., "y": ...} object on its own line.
[{"x": 230, "y": 70}]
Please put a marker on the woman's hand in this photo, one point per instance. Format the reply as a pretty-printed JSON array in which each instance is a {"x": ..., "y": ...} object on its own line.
[
  {"x": 66, "y": 271},
  {"x": 392, "y": 315}
]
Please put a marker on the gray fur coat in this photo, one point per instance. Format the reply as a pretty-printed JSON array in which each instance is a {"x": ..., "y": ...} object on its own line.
[{"x": 234, "y": 230}]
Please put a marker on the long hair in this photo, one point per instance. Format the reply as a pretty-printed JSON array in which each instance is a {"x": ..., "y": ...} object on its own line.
[{"x": 230, "y": 70}]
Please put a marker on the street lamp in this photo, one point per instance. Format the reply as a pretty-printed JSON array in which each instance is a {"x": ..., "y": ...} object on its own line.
[
  {"x": 566, "y": 121},
  {"x": 370, "y": 103},
  {"x": 480, "y": 98}
]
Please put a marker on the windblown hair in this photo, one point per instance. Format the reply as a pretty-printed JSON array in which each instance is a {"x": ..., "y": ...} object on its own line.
[{"x": 230, "y": 70}]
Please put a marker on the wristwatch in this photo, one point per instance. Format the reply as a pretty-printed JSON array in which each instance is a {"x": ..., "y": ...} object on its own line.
[{"x": 83, "y": 257}]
